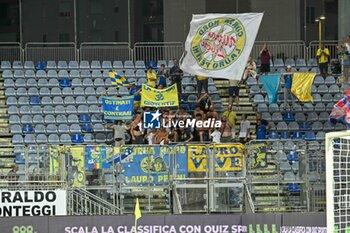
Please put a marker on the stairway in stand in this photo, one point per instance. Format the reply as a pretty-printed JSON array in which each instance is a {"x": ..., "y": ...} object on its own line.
[{"x": 7, "y": 156}]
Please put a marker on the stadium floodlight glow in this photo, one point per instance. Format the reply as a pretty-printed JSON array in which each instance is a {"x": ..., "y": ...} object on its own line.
[
  {"x": 322, "y": 17},
  {"x": 317, "y": 20}
]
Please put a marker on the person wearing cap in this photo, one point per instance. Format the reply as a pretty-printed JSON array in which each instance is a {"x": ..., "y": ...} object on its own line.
[
  {"x": 163, "y": 76},
  {"x": 288, "y": 80},
  {"x": 151, "y": 77}
]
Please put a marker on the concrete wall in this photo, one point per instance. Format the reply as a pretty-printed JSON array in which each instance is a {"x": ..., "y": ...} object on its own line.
[
  {"x": 343, "y": 18},
  {"x": 177, "y": 17}
]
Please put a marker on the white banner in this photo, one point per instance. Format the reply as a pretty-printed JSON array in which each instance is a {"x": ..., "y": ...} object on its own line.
[
  {"x": 219, "y": 45},
  {"x": 33, "y": 203}
]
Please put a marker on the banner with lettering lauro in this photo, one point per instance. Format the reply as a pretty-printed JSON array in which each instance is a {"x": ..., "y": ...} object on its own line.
[{"x": 245, "y": 223}]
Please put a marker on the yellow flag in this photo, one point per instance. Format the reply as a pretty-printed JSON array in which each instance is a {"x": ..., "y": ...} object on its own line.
[
  {"x": 301, "y": 86},
  {"x": 137, "y": 210},
  {"x": 152, "y": 97}
]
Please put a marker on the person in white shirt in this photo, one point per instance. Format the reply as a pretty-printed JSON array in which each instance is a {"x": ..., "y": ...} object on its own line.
[
  {"x": 244, "y": 129},
  {"x": 216, "y": 135},
  {"x": 150, "y": 136}
]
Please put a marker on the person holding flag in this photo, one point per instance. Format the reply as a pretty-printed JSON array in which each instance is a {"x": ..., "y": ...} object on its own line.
[
  {"x": 176, "y": 76},
  {"x": 135, "y": 90},
  {"x": 288, "y": 79}
]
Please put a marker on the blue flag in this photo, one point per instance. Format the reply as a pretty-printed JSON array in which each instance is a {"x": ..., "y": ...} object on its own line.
[
  {"x": 271, "y": 84},
  {"x": 118, "y": 108}
]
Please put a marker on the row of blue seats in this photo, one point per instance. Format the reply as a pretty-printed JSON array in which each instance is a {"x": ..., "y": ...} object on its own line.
[
  {"x": 306, "y": 126},
  {"x": 319, "y": 80},
  {"x": 51, "y": 119},
  {"x": 60, "y": 128},
  {"x": 62, "y": 139},
  {"x": 128, "y": 64},
  {"x": 278, "y": 62},
  {"x": 318, "y": 104},
  {"x": 309, "y": 135},
  {"x": 6, "y": 74},
  {"x": 298, "y": 117},
  {"x": 326, "y": 98}
]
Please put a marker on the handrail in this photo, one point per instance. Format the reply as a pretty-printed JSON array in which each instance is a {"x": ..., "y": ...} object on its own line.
[
  {"x": 92, "y": 196},
  {"x": 249, "y": 199}
]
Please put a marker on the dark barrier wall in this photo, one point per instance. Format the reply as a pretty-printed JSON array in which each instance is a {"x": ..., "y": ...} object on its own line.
[{"x": 252, "y": 223}]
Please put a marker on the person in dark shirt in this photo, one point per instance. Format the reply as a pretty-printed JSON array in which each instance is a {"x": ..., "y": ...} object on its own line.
[
  {"x": 265, "y": 56},
  {"x": 288, "y": 80},
  {"x": 162, "y": 76},
  {"x": 136, "y": 92},
  {"x": 262, "y": 127},
  {"x": 185, "y": 135},
  {"x": 204, "y": 103},
  {"x": 176, "y": 76}
]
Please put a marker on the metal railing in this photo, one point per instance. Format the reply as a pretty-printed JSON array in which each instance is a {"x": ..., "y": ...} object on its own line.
[
  {"x": 111, "y": 51},
  {"x": 11, "y": 51},
  {"x": 281, "y": 49},
  {"x": 145, "y": 51},
  {"x": 83, "y": 202},
  {"x": 153, "y": 51},
  {"x": 66, "y": 51}
]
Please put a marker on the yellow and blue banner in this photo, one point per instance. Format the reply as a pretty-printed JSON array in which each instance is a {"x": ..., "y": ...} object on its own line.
[
  {"x": 97, "y": 157},
  {"x": 152, "y": 97},
  {"x": 118, "y": 108},
  {"x": 77, "y": 164},
  {"x": 271, "y": 84},
  {"x": 118, "y": 80},
  {"x": 301, "y": 86},
  {"x": 154, "y": 164},
  {"x": 228, "y": 157},
  {"x": 55, "y": 160}
]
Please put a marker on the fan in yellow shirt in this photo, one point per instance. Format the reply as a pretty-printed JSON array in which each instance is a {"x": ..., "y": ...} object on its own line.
[
  {"x": 151, "y": 77},
  {"x": 323, "y": 55}
]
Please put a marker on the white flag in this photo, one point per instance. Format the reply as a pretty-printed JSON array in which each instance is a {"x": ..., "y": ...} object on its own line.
[{"x": 219, "y": 45}]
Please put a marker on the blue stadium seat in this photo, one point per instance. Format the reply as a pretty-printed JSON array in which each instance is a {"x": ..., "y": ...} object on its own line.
[
  {"x": 87, "y": 128},
  {"x": 285, "y": 135},
  {"x": 312, "y": 116},
  {"x": 94, "y": 109},
  {"x": 324, "y": 116},
  {"x": 83, "y": 109},
  {"x": 293, "y": 126},
  {"x": 61, "y": 119},
  {"x": 312, "y": 62},
  {"x": 26, "y": 119},
  {"x": 63, "y": 128},
  {"x": 65, "y": 83},
  {"x": 289, "y": 117},
  {"x": 51, "y": 65},
  {"x": 23, "y": 100},
  {"x": 80, "y": 100},
  {"x": 293, "y": 156},
  {"x": 18, "y": 74},
  {"x": 27, "y": 129},
  {"x": 300, "y": 62},
  {"x": 63, "y": 74},
  {"x": 9, "y": 83},
  {"x": 278, "y": 62},
  {"x": 12, "y": 110},
  {"x": 140, "y": 64},
  {"x": 84, "y": 118},
  {"x": 9, "y": 91},
  {"x": 74, "y": 74},
  {"x": 60, "y": 109},
  {"x": 73, "y": 65},
  {"x": 85, "y": 74},
  {"x": 38, "y": 119},
  {"x": 21, "y": 91},
  {"x": 273, "y": 135},
  {"x": 75, "y": 128},
  {"x": 96, "y": 74},
  {"x": 52, "y": 74},
  {"x": 310, "y": 135},
  {"x": 297, "y": 135},
  {"x": 98, "y": 82},
  {"x": 317, "y": 126},
  {"x": 77, "y": 138},
  {"x": 294, "y": 188},
  {"x": 7, "y": 74},
  {"x": 50, "y": 119},
  {"x": 51, "y": 128},
  {"x": 305, "y": 126},
  {"x": 334, "y": 89},
  {"x": 71, "y": 109},
  {"x": 39, "y": 128}
]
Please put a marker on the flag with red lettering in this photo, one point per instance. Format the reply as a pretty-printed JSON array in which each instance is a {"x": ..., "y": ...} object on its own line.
[
  {"x": 219, "y": 45},
  {"x": 341, "y": 111}
]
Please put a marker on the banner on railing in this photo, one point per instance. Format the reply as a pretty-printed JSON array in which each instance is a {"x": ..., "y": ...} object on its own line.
[
  {"x": 153, "y": 164},
  {"x": 77, "y": 162},
  {"x": 152, "y": 97},
  {"x": 118, "y": 108},
  {"x": 55, "y": 160},
  {"x": 257, "y": 157},
  {"x": 97, "y": 157},
  {"x": 32, "y": 203},
  {"x": 228, "y": 157}
]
